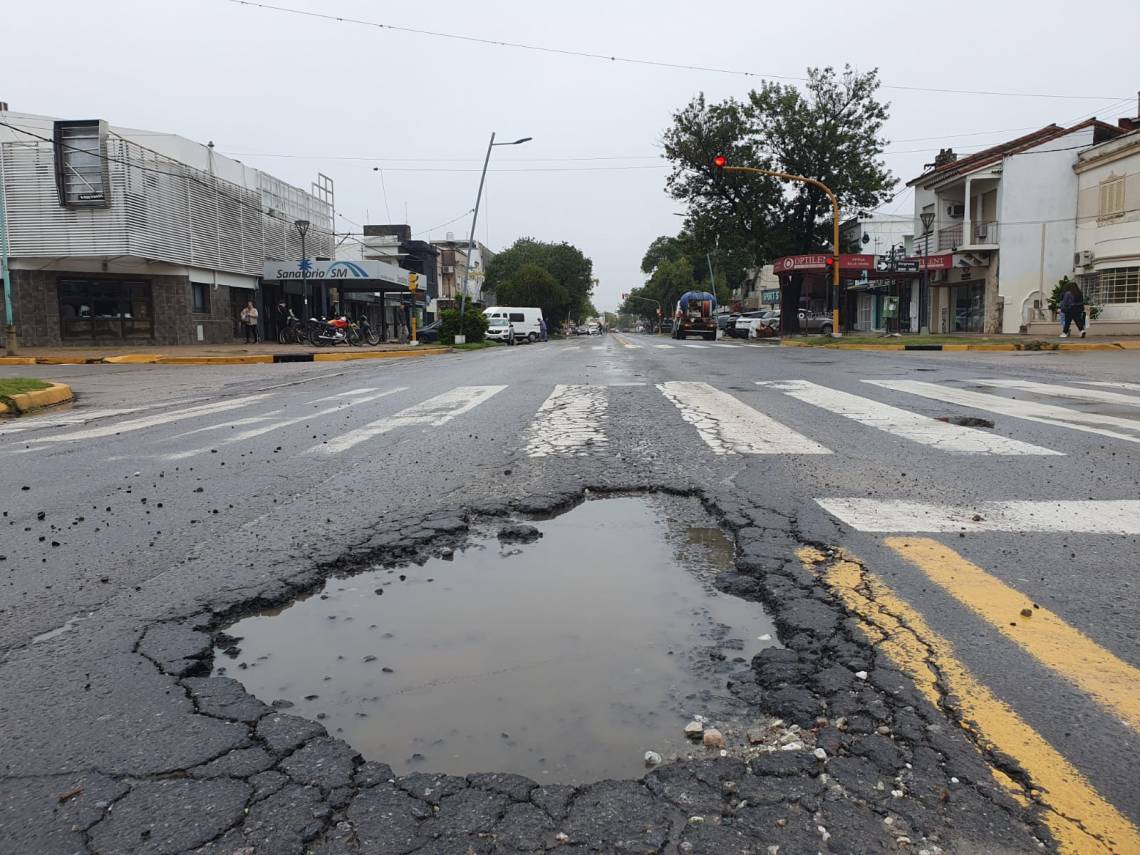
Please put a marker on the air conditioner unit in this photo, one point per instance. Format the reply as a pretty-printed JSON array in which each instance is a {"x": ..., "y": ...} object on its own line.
[
  {"x": 956, "y": 211},
  {"x": 981, "y": 231},
  {"x": 449, "y": 268},
  {"x": 1083, "y": 258}
]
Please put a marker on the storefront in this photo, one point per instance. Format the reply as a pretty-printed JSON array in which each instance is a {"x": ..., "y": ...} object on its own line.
[{"x": 104, "y": 311}]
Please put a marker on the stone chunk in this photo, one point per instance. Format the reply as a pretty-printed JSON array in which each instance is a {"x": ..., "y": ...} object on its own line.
[
  {"x": 322, "y": 762},
  {"x": 519, "y": 533},
  {"x": 515, "y": 786},
  {"x": 224, "y": 697},
  {"x": 283, "y": 732}
]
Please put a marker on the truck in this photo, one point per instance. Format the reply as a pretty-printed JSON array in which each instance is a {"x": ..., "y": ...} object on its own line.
[{"x": 695, "y": 315}]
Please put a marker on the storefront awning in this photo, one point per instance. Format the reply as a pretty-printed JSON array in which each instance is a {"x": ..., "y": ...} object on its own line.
[{"x": 344, "y": 275}]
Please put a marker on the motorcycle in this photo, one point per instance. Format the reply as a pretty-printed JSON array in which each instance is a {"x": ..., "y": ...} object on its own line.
[
  {"x": 330, "y": 333},
  {"x": 367, "y": 334}
]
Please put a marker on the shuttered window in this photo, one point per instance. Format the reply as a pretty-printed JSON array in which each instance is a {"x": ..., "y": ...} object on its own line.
[{"x": 1112, "y": 198}]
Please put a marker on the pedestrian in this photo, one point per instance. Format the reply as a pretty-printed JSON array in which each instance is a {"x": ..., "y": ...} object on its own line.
[
  {"x": 542, "y": 329},
  {"x": 1072, "y": 310},
  {"x": 249, "y": 322}
]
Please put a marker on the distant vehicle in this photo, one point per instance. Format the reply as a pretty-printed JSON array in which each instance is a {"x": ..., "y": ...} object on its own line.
[
  {"x": 524, "y": 318},
  {"x": 744, "y": 322},
  {"x": 815, "y": 322},
  {"x": 726, "y": 320},
  {"x": 695, "y": 315},
  {"x": 430, "y": 333},
  {"x": 499, "y": 328},
  {"x": 593, "y": 329}
]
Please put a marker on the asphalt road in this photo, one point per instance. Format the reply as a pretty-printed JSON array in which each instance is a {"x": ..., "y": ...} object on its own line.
[{"x": 170, "y": 500}]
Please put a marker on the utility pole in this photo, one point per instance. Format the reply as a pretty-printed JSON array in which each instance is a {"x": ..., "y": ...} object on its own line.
[{"x": 10, "y": 343}]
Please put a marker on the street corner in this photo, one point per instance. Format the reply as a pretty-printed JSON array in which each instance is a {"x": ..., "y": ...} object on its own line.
[{"x": 20, "y": 402}]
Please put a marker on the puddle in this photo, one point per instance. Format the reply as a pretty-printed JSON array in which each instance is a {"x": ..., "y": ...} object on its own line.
[{"x": 564, "y": 660}]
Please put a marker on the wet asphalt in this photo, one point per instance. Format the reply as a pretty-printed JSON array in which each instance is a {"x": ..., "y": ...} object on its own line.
[{"x": 123, "y": 554}]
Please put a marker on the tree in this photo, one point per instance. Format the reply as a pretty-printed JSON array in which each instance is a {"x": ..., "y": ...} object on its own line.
[
  {"x": 474, "y": 325},
  {"x": 830, "y": 131},
  {"x": 532, "y": 285},
  {"x": 571, "y": 270}
]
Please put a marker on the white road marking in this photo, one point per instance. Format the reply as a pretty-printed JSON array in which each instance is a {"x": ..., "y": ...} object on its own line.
[
  {"x": 664, "y": 346},
  {"x": 1057, "y": 390},
  {"x": 729, "y": 426},
  {"x": 153, "y": 421},
  {"x": 433, "y": 412},
  {"x": 1112, "y": 384},
  {"x": 252, "y": 420},
  {"x": 1032, "y": 411},
  {"x": 574, "y": 347},
  {"x": 598, "y": 347},
  {"x": 1082, "y": 517},
  {"x": 568, "y": 422},
  {"x": 913, "y": 426},
  {"x": 280, "y": 424},
  {"x": 349, "y": 394},
  {"x": 698, "y": 346}
]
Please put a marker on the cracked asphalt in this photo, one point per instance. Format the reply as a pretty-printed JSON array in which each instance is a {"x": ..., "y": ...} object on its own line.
[{"x": 130, "y": 541}]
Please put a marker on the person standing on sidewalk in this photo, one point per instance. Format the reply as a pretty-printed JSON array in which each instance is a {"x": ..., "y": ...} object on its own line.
[
  {"x": 1073, "y": 309},
  {"x": 249, "y": 322}
]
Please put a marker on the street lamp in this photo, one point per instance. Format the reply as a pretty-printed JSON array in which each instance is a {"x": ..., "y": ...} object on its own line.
[
  {"x": 474, "y": 217},
  {"x": 302, "y": 227},
  {"x": 927, "y": 218}
]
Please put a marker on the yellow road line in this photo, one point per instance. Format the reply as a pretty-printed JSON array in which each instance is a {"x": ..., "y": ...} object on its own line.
[
  {"x": 1079, "y": 818},
  {"x": 1039, "y": 632}
]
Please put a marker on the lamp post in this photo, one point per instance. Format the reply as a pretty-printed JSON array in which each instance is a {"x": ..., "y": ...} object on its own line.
[
  {"x": 302, "y": 227},
  {"x": 474, "y": 218},
  {"x": 927, "y": 218},
  {"x": 10, "y": 343}
]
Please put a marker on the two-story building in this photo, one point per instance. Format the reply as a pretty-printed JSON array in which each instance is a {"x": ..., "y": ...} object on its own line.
[
  {"x": 115, "y": 235},
  {"x": 455, "y": 255},
  {"x": 1006, "y": 217}
]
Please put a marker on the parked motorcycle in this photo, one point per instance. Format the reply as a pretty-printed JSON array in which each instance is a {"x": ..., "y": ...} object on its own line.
[
  {"x": 367, "y": 334},
  {"x": 331, "y": 332}
]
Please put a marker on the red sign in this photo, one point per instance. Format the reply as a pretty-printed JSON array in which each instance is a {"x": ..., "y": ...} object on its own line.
[
  {"x": 850, "y": 261},
  {"x": 934, "y": 262}
]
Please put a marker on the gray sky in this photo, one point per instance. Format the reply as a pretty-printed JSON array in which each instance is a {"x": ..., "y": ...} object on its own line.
[{"x": 261, "y": 83}]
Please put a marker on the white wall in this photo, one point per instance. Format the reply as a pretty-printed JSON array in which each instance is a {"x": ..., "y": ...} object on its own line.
[{"x": 1038, "y": 215}]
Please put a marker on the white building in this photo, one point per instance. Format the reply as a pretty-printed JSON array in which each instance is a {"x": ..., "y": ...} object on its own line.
[
  {"x": 878, "y": 234},
  {"x": 120, "y": 235},
  {"x": 1006, "y": 215},
  {"x": 453, "y": 256},
  {"x": 1107, "y": 257}
]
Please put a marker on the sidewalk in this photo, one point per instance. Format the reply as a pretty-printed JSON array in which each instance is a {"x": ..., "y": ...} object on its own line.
[
  {"x": 220, "y": 354},
  {"x": 963, "y": 342}
]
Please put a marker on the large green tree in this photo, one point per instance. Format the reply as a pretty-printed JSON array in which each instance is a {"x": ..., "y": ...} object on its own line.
[
  {"x": 570, "y": 268},
  {"x": 830, "y": 129},
  {"x": 532, "y": 285}
]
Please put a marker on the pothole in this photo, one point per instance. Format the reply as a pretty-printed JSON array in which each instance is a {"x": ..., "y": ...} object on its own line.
[{"x": 564, "y": 659}]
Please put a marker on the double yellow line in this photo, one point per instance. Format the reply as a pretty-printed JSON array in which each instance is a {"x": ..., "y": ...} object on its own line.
[{"x": 1079, "y": 818}]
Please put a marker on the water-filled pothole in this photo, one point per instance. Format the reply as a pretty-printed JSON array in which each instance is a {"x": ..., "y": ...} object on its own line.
[{"x": 564, "y": 659}]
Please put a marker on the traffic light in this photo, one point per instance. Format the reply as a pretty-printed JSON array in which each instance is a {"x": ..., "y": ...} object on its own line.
[
  {"x": 658, "y": 311},
  {"x": 720, "y": 162},
  {"x": 413, "y": 281},
  {"x": 830, "y": 263}
]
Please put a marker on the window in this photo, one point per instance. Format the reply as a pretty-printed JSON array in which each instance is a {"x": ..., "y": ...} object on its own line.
[
  {"x": 105, "y": 310},
  {"x": 81, "y": 164},
  {"x": 201, "y": 298},
  {"x": 1116, "y": 285},
  {"x": 1111, "y": 198},
  {"x": 517, "y": 317}
]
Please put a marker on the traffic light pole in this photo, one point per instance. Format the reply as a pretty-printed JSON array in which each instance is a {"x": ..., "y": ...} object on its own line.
[
  {"x": 835, "y": 330},
  {"x": 649, "y": 300}
]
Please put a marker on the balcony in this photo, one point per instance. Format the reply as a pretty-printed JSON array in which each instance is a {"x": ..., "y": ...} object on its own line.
[
  {"x": 983, "y": 234},
  {"x": 950, "y": 238}
]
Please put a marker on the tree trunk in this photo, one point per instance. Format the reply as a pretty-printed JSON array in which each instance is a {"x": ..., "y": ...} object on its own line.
[{"x": 790, "y": 303}]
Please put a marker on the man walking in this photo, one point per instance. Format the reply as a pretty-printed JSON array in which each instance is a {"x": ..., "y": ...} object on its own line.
[
  {"x": 1073, "y": 310},
  {"x": 249, "y": 322}
]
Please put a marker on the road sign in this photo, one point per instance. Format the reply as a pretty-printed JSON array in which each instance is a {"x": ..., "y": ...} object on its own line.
[{"x": 907, "y": 266}]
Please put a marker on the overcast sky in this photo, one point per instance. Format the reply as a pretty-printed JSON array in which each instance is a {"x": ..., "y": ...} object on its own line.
[{"x": 296, "y": 95}]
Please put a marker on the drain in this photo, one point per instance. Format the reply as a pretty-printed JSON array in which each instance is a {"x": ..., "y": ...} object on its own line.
[{"x": 563, "y": 658}]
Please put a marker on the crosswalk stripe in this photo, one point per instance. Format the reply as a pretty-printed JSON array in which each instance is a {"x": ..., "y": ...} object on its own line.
[
  {"x": 1094, "y": 516},
  {"x": 351, "y": 393},
  {"x": 913, "y": 426},
  {"x": 1080, "y": 818},
  {"x": 573, "y": 347},
  {"x": 433, "y": 412},
  {"x": 251, "y": 420},
  {"x": 664, "y": 346},
  {"x": 155, "y": 420},
  {"x": 729, "y": 426},
  {"x": 281, "y": 424},
  {"x": 1061, "y": 391},
  {"x": 568, "y": 422},
  {"x": 1112, "y": 384},
  {"x": 1040, "y": 633},
  {"x": 73, "y": 418},
  {"x": 598, "y": 347},
  {"x": 698, "y": 346},
  {"x": 1032, "y": 411}
]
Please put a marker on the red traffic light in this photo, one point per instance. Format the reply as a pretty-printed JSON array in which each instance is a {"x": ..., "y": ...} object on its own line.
[
  {"x": 720, "y": 161},
  {"x": 829, "y": 262}
]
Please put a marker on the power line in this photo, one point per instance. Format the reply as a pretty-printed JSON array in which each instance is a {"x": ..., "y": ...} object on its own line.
[
  {"x": 448, "y": 223},
  {"x": 372, "y": 159},
  {"x": 582, "y": 54}
]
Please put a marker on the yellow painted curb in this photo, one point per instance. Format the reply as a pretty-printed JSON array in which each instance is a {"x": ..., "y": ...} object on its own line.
[
  {"x": 991, "y": 348},
  {"x": 793, "y": 344},
  {"x": 376, "y": 354},
  {"x": 61, "y": 360},
  {"x": 1129, "y": 345},
  {"x": 1089, "y": 345},
  {"x": 57, "y": 393},
  {"x": 217, "y": 360},
  {"x": 953, "y": 348},
  {"x": 17, "y": 360},
  {"x": 133, "y": 359}
]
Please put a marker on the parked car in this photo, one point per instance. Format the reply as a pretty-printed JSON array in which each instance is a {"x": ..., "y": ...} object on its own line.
[
  {"x": 726, "y": 321},
  {"x": 525, "y": 320},
  {"x": 744, "y": 322},
  {"x": 430, "y": 333},
  {"x": 593, "y": 329},
  {"x": 815, "y": 322}
]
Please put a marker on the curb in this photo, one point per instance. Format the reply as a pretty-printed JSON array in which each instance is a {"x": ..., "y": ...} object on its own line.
[
  {"x": 247, "y": 359},
  {"x": 1042, "y": 346},
  {"x": 57, "y": 393},
  {"x": 348, "y": 355}
]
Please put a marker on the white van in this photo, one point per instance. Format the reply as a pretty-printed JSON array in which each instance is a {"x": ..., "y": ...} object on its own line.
[{"x": 524, "y": 320}]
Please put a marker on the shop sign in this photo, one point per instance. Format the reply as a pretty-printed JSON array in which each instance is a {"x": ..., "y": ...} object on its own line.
[
  {"x": 934, "y": 262},
  {"x": 771, "y": 296},
  {"x": 334, "y": 271},
  {"x": 848, "y": 261}
]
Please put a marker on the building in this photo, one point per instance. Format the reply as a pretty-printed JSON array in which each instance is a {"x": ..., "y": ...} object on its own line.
[
  {"x": 1005, "y": 216},
  {"x": 116, "y": 235},
  {"x": 882, "y": 236},
  {"x": 393, "y": 244},
  {"x": 453, "y": 257},
  {"x": 759, "y": 290},
  {"x": 1107, "y": 254}
]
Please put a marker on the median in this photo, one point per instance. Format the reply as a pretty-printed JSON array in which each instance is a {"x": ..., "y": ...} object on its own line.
[{"x": 21, "y": 394}]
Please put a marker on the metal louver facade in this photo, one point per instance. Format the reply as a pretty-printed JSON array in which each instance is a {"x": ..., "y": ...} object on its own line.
[{"x": 159, "y": 210}]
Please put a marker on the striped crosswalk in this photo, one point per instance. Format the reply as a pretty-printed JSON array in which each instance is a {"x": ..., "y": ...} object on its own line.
[{"x": 773, "y": 417}]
